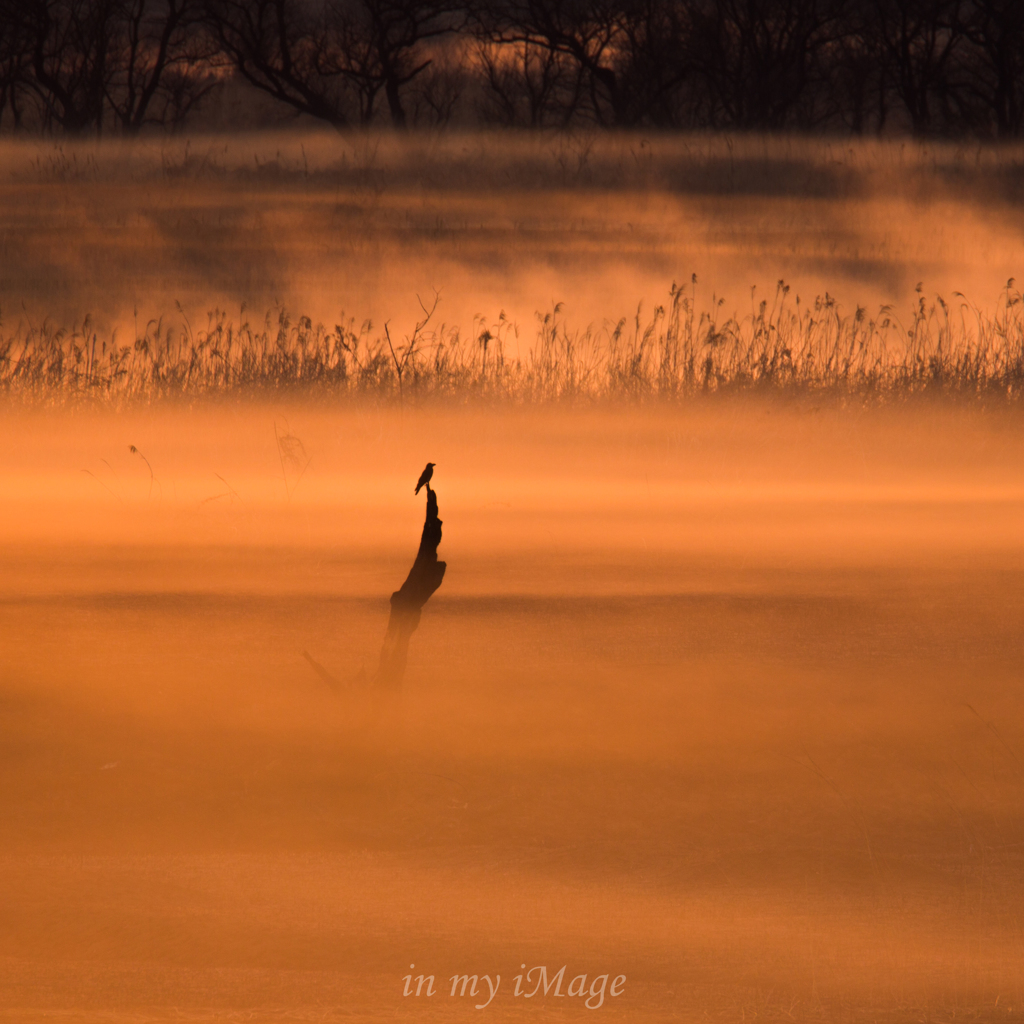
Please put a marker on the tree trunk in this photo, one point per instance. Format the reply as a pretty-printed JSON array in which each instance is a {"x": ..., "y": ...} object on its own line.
[
  {"x": 424, "y": 578},
  {"x": 394, "y": 98}
]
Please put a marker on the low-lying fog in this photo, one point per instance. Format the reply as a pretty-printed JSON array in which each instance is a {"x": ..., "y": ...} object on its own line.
[
  {"x": 726, "y": 700},
  {"x": 326, "y": 224}
]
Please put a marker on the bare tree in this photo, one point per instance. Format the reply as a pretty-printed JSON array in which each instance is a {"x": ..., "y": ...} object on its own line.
[
  {"x": 100, "y": 65},
  {"x": 995, "y": 30},
  {"x": 67, "y": 49},
  {"x": 656, "y": 57},
  {"x": 282, "y": 47},
  {"x": 13, "y": 66},
  {"x": 851, "y": 80},
  {"x": 439, "y": 88},
  {"x": 587, "y": 32},
  {"x": 87, "y": 65},
  {"x": 160, "y": 67},
  {"x": 331, "y": 59},
  {"x": 918, "y": 44},
  {"x": 528, "y": 85},
  {"x": 381, "y": 43},
  {"x": 759, "y": 57}
]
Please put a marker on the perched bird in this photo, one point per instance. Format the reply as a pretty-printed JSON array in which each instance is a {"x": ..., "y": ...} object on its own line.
[{"x": 425, "y": 477}]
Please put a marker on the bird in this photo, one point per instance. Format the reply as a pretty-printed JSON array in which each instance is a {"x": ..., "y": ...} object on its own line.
[{"x": 425, "y": 476}]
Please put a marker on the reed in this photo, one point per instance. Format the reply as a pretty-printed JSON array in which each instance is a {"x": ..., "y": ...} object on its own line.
[{"x": 674, "y": 353}]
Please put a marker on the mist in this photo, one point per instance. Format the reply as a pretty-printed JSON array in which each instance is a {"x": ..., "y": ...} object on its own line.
[
  {"x": 717, "y": 703},
  {"x": 724, "y": 700},
  {"x": 368, "y": 226}
]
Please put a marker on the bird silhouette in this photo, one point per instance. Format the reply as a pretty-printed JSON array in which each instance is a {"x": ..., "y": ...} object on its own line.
[{"x": 425, "y": 477}]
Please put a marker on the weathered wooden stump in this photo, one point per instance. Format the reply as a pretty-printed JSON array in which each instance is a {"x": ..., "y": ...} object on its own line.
[{"x": 407, "y": 603}]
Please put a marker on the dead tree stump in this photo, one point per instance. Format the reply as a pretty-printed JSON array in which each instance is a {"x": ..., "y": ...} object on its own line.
[{"x": 407, "y": 603}]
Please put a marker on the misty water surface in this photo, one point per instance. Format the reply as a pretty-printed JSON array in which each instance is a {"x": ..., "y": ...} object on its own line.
[{"x": 726, "y": 700}]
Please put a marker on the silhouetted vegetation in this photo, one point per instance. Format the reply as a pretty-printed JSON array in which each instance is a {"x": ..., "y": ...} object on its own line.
[
  {"x": 675, "y": 352},
  {"x": 930, "y": 67},
  {"x": 95, "y": 65},
  {"x": 407, "y": 602},
  {"x": 331, "y": 61}
]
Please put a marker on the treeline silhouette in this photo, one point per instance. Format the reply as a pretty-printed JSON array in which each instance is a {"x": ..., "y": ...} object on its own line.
[{"x": 928, "y": 67}]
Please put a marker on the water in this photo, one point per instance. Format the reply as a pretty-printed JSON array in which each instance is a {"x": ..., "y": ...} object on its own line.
[
  {"x": 724, "y": 699},
  {"x": 368, "y": 227}
]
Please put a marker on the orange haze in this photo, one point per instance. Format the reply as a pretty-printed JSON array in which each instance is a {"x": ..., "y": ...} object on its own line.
[{"x": 726, "y": 700}]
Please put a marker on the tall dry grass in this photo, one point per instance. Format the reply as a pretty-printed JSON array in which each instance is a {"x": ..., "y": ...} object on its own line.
[{"x": 674, "y": 352}]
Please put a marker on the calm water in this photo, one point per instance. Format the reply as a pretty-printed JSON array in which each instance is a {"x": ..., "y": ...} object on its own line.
[{"x": 725, "y": 700}]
